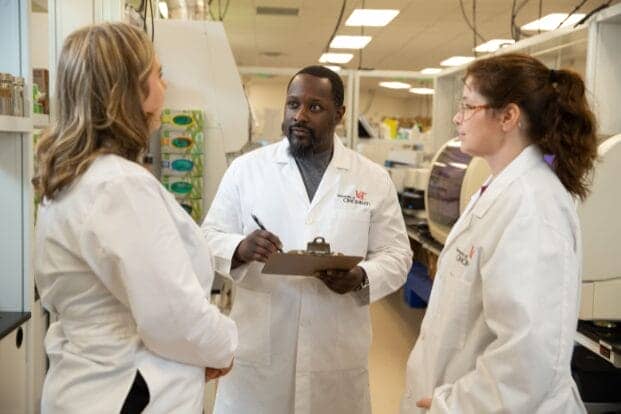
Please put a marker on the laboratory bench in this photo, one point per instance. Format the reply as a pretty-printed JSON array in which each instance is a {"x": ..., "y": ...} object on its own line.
[
  {"x": 9, "y": 321},
  {"x": 603, "y": 341},
  {"x": 426, "y": 251}
]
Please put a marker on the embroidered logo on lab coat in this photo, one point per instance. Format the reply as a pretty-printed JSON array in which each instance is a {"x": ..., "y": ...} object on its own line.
[
  {"x": 356, "y": 198},
  {"x": 463, "y": 257}
]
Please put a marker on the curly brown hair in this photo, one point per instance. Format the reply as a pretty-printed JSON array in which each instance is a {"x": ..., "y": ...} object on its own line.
[
  {"x": 558, "y": 117},
  {"x": 102, "y": 80}
]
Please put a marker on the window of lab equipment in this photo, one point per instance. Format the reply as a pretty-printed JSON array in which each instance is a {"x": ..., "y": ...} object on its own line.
[{"x": 445, "y": 181}]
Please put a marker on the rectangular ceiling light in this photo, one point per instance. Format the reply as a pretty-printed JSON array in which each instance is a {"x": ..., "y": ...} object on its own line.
[
  {"x": 163, "y": 6},
  {"x": 551, "y": 21},
  {"x": 431, "y": 71},
  {"x": 349, "y": 42},
  {"x": 336, "y": 58},
  {"x": 457, "y": 61},
  {"x": 395, "y": 85},
  {"x": 493, "y": 45},
  {"x": 422, "y": 91},
  {"x": 371, "y": 17}
]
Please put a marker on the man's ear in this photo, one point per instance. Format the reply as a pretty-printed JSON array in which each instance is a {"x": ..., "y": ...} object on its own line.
[{"x": 340, "y": 112}]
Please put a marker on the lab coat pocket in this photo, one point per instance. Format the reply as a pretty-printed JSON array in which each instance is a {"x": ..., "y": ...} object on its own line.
[
  {"x": 252, "y": 313},
  {"x": 350, "y": 231},
  {"x": 452, "y": 313}
]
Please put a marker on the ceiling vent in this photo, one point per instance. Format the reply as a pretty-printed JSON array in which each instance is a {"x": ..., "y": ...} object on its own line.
[
  {"x": 277, "y": 11},
  {"x": 272, "y": 54}
]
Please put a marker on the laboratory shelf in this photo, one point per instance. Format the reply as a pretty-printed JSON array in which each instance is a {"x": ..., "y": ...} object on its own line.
[
  {"x": 15, "y": 124},
  {"x": 426, "y": 241},
  {"x": 40, "y": 121}
]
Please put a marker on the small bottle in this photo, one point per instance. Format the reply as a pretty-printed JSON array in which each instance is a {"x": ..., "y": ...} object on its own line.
[
  {"x": 18, "y": 96},
  {"x": 6, "y": 94}
]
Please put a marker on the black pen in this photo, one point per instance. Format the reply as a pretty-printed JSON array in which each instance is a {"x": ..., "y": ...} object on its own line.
[{"x": 262, "y": 227}]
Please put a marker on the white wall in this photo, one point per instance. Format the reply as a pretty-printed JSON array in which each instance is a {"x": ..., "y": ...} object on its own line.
[{"x": 39, "y": 40}]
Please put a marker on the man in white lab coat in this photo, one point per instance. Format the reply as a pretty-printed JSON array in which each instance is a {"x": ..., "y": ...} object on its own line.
[{"x": 304, "y": 341}]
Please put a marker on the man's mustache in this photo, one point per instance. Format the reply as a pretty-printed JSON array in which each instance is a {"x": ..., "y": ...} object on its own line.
[{"x": 299, "y": 126}]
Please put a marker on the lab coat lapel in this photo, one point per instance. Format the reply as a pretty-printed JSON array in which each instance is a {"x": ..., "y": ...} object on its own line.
[
  {"x": 526, "y": 160},
  {"x": 462, "y": 224},
  {"x": 332, "y": 177},
  {"x": 291, "y": 177}
]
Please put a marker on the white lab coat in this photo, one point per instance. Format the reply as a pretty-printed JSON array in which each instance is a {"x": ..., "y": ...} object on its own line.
[
  {"x": 128, "y": 274},
  {"x": 498, "y": 334},
  {"x": 303, "y": 348}
]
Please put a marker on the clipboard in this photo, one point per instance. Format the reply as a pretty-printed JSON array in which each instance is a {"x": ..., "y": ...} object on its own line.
[{"x": 307, "y": 262}]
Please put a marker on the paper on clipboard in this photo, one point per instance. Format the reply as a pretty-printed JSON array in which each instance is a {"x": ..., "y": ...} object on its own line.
[{"x": 307, "y": 264}]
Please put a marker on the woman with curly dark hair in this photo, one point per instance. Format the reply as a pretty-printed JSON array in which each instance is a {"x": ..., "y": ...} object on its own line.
[{"x": 499, "y": 331}]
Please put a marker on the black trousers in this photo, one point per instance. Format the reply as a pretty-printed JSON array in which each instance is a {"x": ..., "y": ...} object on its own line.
[{"x": 138, "y": 396}]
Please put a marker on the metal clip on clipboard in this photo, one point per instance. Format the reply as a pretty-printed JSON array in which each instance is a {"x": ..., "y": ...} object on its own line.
[{"x": 315, "y": 258}]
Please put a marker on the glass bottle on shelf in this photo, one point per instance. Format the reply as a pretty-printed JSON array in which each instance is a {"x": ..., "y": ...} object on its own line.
[
  {"x": 6, "y": 94},
  {"x": 18, "y": 96}
]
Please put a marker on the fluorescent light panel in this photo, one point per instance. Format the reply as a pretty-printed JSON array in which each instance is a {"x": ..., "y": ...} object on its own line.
[
  {"x": 371, "y": 17},
  {"x": 430, "y": 71},
  {"x": 349, "y": 42},
  {"x": 336, "y": 58},
  {"x": 493, "y": 45},
  {"x": 395, "y": 85},
  {"x": 163, "y": 9},
  {"x": 422, "y": 91},
  {"x": 551, "y": 21},
  {"x": 456, "y": 60}
]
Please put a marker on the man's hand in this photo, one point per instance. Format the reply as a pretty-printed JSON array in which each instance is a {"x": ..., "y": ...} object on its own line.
[
  {"x": 424, "y": 403},
  {"x": 213, "y": 373},
  {"x": 257, "y": 246},
  {"x": 342, "y": 281}
]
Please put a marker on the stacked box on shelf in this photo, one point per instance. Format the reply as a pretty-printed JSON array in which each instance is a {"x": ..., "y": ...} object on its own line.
[{"x": 181, "y": 146}]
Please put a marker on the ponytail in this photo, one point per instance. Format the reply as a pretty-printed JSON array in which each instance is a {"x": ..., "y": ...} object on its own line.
[
  {"x": 570, "y": 132},
  {"x": 558, "y": 117}
]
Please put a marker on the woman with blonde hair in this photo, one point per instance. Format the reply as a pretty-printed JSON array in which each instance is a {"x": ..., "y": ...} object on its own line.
[
  {"x": 118, "y": 261},
  {"x": 498, "y": 333}
]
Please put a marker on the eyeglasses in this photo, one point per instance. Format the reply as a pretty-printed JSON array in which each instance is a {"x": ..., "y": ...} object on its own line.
[{"x": 466, "y": 111}]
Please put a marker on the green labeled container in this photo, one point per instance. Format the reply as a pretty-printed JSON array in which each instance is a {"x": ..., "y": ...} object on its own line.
[
  {"x": 183, "y": 187},
  {"x": 181, "y": 165},
  {"x": 173, "y": 141},
  {"x": 192, "y": 119}
]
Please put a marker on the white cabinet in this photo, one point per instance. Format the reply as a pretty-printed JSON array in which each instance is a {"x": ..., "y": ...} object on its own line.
[
  {"x": 13, "y": 367},
  {"x": 604, "y": 68},
  {"x": 20, "y": 383}
]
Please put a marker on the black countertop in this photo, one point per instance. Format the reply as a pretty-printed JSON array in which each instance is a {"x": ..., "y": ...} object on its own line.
[
  {"x": 597, "y": 334},
  {"x": 11, "y": 320}
]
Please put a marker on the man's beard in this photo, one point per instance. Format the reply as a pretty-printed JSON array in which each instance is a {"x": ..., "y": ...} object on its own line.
[{"x": 298, "y": 148}]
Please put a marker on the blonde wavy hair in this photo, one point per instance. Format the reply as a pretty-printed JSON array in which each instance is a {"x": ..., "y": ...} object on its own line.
[{"x": 102, "y": 81}]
